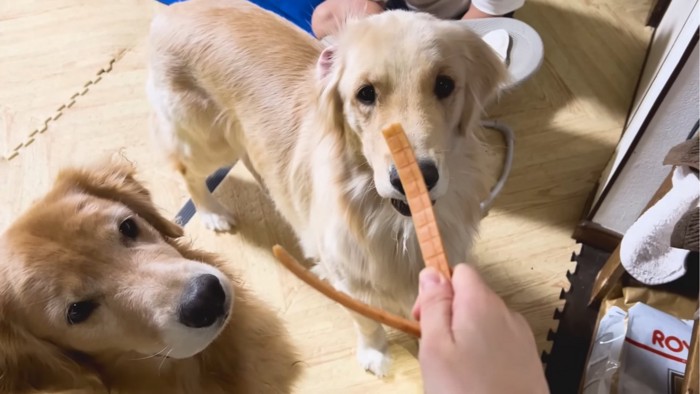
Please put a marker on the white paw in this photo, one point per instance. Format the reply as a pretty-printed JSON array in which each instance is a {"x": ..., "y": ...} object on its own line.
[
  {"x": 217, "y": 222},
  {"x": 374, "y": 360}
]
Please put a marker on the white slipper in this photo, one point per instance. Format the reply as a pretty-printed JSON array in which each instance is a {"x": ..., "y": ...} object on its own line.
[{"x": 516, "y": 42}]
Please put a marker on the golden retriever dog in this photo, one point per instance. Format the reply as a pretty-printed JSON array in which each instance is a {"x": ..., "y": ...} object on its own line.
[
  {"x": 99, "y": 294},
  {"x": 229, "y": 80}
]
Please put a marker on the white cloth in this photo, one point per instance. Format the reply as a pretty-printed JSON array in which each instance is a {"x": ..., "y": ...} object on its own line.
[
  {"x": 451, "y": 8},
  {"x": 645, "y": 250}
]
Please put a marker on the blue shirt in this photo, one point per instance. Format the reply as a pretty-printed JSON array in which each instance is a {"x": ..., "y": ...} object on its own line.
[{"x": 296, "y": 11}]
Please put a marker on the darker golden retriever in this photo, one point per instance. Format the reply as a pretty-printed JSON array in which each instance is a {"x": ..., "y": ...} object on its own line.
[{"x": 99, "y": 294}]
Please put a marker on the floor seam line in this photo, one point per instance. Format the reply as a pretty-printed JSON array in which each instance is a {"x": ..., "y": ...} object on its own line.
[{"x": 31, "y": 136}]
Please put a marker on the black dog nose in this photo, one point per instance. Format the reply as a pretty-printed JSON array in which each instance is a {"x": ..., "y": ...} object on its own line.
[
  {"x": 202, "y": 302},
  {"x": 427, "y": 168}
]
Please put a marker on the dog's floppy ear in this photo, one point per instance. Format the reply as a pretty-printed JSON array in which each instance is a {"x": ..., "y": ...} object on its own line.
[
  {"x": 29, "y": 364},
  {"x": 116, "y": 181},
  {"x": 487, "y": 73},
  {"x": 330, "y": 105}
]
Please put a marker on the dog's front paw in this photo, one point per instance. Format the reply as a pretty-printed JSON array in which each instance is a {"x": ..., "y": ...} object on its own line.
[
  {"x": 374, "y": 360},
  {"x": 217, "y": 222}
]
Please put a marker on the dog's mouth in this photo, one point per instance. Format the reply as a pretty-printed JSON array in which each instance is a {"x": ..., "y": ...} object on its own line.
[{"x": 402, "y": 206}]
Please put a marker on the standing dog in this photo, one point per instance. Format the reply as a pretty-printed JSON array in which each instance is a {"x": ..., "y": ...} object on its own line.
[
  {"x": 229, "y": 80},
  {"x": 98, "y": 295}
]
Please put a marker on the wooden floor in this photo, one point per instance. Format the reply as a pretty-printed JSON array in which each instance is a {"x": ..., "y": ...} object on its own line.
[{"x": 72, "y": 91}]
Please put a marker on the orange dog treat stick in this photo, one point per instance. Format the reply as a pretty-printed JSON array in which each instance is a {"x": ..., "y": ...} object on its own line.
[
  {"x": 418, "y": 199},
  {"x": 384, "y": 317}
]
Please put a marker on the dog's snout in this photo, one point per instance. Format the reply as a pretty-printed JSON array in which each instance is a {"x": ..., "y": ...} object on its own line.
[
  {"x": 202, "y": 302},
  {"x": 427, "y": 168}
]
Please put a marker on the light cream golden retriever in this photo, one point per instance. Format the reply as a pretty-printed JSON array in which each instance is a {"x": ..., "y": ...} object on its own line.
[
  {"x": 97, "y": 294},
  {"x": 229, "y": 80}
]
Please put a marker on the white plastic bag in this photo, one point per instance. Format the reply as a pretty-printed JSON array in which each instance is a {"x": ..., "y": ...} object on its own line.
[
  {"x": 655, "y": 352},
  {"x": 643, "y": 350},
  {"x": 604, "y": 359}
]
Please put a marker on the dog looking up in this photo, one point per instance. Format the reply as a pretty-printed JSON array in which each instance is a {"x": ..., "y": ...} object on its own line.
[
  {"x": 99, "y": 294},
  {"x": 230, "y": 81}
]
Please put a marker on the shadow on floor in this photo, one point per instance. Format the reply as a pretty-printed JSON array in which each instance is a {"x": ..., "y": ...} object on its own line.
[
  {"x": 258, "y": 221},
  {"x": 590, "y": 65}
]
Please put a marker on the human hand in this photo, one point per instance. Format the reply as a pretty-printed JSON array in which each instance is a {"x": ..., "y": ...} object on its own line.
[{"x": 470, "y": 341}]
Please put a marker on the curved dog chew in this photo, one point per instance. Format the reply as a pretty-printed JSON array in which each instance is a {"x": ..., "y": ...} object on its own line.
[
  {"x": 384, "y": 317},
  {"x": 427, "y": 230}
]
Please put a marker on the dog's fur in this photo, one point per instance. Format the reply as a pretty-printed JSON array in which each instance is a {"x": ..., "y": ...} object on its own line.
[
  {"x": 67, "y": 248},
  {"x": 231, "y": 81}
]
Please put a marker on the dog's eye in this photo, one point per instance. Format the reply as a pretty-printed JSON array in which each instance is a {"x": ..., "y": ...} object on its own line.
[
  {"x": 366, "y": 95},
  {"x": 444, "y": 86},
  {"x": 78, "y": 312},
  {"x": 129, "y": 229}
]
